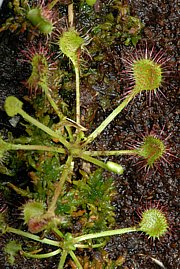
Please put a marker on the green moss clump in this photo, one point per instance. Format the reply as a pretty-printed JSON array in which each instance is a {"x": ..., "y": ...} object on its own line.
[{"x": 89, "y": 202}]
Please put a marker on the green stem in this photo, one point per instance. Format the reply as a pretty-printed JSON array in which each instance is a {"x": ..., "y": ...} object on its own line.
[
  {"x": 111, "y": 117},
  {"x": 90, "y": 246},
  {"x": 63, "y": 259},
  {"x": 32, "y": 236},
  {"x": 34, "y": 147},
  {"x": 111, "y": 152},
  {"x": 59, "y": 186},
  {"x": 110, "y": 166},
  {"x": 105, "y": 233},
  {"x": 75, "y": 259},
  {"x": 69, "y": 133},
  {"x": 51, "y": 101},
  {"x": 93, "y": 160},
  {"x": 58, "y": 232},
  {"x": 78, "y": 112},
  {"x": 43, "y": 255},
  {"x": 56, "y": 109},
  {"x": 44, "y": 128}
]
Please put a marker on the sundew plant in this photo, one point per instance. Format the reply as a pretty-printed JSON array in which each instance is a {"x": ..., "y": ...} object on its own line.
[{"x": 55, "y": 144}]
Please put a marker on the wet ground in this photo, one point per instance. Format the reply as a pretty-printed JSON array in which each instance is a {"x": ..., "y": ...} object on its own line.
[{"x": 135, "y": 188}]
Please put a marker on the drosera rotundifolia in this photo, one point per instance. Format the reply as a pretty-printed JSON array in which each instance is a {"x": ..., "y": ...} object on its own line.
[
  {"x": 147, "y": 69},
  {"x": 67, "y": 200},
  {"x": 153, "y": 222}
]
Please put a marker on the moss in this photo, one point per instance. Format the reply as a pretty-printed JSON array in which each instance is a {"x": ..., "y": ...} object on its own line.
[{"x": 89, "y": 201}]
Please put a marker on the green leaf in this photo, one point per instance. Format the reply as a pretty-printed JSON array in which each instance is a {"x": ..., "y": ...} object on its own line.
[{"x": 12, "y": 106}]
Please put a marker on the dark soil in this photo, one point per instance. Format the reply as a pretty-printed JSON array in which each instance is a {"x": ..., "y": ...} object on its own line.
[{"x": 136, "y": 187}]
